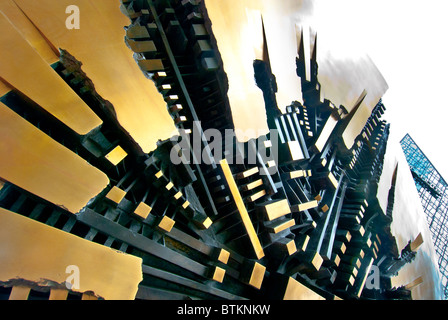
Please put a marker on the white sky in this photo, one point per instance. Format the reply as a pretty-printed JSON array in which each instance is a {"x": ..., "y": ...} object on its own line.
[{"x": 407, "y": 40}]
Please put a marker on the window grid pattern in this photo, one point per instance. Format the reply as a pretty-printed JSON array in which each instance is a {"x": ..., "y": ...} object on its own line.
[{"x": 433, "y": 193}]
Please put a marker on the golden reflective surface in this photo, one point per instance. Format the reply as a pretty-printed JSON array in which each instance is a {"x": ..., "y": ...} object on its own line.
[
  {"x": 253, "y": 237},
  {"x": 35, "y": 162},
  {"x": 24, "y": 69},
  {"x": 33, "y": 30},
  {"x": 33, "y": 251},
  {"x": 99, "y": 45},
  {"x": 237, "y": 40},
  {"x": 297, "y": 291},
  {"x": 29, "y": 31},
  {"x": 31, "y": 34}
]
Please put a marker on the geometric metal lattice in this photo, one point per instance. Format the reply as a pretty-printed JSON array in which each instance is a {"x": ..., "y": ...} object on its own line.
[
  {"x": 432, "y": 189},
  {"x": 303, "y": 222}
]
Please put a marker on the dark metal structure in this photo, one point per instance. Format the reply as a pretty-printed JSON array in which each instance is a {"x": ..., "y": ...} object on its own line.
[{"x": 221, "y": 229}]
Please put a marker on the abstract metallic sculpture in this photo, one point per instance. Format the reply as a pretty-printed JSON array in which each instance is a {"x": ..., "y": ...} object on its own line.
[{"x": 289, "y": 214}]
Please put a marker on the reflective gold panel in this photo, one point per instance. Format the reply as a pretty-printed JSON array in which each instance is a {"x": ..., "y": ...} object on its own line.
[
  {"x": 24, "y": 69},
  {"x": 297, "y": 291},
  {"x": 29, "y": 31},
  {"x": 99, "y": 44},
  {"x": 258, "y": 249},
  {"x": 33, "y": 251},
  {"x": 38, "y": 164}
]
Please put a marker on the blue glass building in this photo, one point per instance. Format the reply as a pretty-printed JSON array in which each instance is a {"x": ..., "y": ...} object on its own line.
[{"x": 432, "y": 189}]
